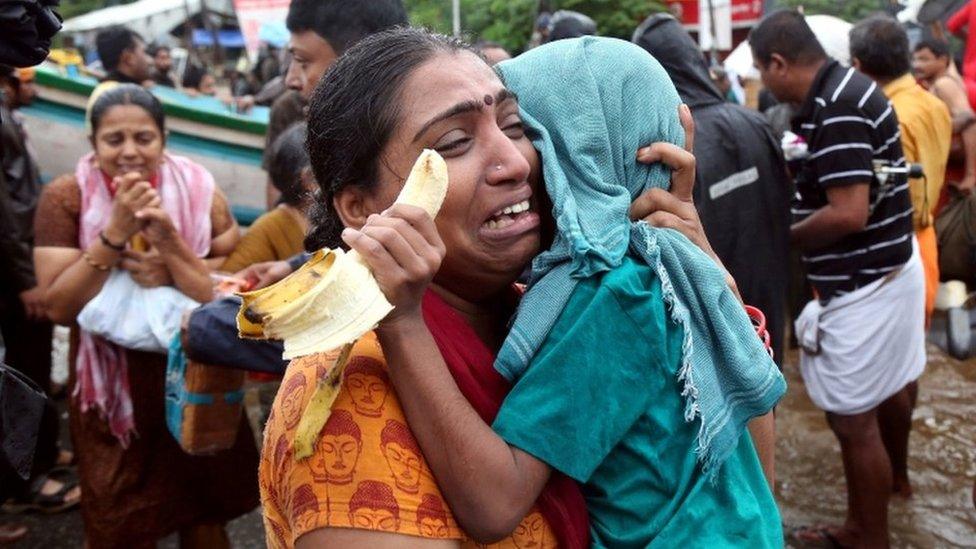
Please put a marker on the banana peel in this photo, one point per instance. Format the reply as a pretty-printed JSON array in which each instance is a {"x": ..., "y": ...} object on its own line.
[
  {"x": 319, "y": 407},
  {"x": 334, "y": 299},
  {"x": 331, "y": 301}
]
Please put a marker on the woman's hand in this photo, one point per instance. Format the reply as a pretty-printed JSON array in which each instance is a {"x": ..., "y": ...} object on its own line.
[
  {"x": 404, "y": 251},
  {"x": 261, "y": 275},
  {"x": 132, "y": 195},
  {"x": 147, "y": 268},
  {"x": 34, "y": 303},
  {"x": 158, "y": 229},
  {"x": 674, "y": 209}
]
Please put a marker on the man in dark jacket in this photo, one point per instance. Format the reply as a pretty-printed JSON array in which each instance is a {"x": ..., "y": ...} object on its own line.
[
  {"x": 26, "y": 28},
  {"x": 22, "y": 317},
  {"x": 742, "y": 190},
  {"x": 24, "y": 325}
]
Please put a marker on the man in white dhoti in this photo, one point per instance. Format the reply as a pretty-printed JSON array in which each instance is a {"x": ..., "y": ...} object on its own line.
[{"x": 862, "y": 338}]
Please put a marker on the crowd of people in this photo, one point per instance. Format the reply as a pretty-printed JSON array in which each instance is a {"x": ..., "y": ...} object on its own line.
[
  {"x": 587, "y": 342},
  {"x": 125, "y": 56}
]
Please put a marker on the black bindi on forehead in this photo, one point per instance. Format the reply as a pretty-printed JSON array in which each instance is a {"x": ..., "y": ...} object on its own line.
[{"x": 489, "y": 99}]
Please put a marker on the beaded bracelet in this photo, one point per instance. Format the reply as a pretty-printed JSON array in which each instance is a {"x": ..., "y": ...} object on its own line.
[{"x": 91, "y": 262}]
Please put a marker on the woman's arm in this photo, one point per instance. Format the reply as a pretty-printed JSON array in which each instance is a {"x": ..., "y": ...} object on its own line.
[
  {"x": 355, "y": 538},
  {"x": 222, "y": 246},
  {"x": 70, "y": 280},
  {"x": 763, "y": 432},
  {"x": 488, "y": 485},
  {"x": 227, "y": 233}
]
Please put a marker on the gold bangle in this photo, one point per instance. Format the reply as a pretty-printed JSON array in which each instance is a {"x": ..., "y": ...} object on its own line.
[{"x": 91, "y": 262}]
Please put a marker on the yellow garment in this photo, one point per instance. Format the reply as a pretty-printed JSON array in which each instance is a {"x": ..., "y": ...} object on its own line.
[
  {"x": 926, "y": 132},
  {"x": 275, "y": 236},
  {"x": 66, "y": 56}
]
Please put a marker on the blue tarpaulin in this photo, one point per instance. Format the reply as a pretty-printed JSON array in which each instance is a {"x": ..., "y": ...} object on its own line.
[{"x": 227, "y": 38}]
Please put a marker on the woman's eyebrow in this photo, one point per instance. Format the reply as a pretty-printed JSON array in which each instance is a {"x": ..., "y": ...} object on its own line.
[
  {"x": 505, "y": 94},
  {"x": 463, "y": 107}
]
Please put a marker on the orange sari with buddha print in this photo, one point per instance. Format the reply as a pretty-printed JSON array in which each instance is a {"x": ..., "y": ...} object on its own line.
[{"x": 367, "y": 470}]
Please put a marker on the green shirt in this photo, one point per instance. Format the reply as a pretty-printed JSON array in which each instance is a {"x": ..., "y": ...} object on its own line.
[{"x": 602, "y": 403}]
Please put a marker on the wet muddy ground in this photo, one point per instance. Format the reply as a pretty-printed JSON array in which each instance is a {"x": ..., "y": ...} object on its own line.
[
  {"x": 942, "y": 460},
  {"x": 810, "y": 478}
]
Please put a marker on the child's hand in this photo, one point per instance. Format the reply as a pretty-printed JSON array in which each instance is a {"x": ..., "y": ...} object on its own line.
[{"x": 674, "y": 209}]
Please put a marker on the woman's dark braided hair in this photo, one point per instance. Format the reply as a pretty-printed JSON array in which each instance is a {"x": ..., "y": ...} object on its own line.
[{"x": 352, "y": 114}]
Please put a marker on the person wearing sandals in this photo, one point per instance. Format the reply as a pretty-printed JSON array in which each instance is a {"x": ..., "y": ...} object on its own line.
[
  {"x": 53, "y": 485},
  {"x": 138, "y": 483}
]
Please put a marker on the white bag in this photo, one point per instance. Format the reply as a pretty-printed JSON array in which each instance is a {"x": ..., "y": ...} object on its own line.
[{"x": 144, "y": 319}]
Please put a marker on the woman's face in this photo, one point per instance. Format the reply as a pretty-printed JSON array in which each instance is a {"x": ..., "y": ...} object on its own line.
[
  {"x": 456, "y": 105},
  {"x": 128, "y": 140}
]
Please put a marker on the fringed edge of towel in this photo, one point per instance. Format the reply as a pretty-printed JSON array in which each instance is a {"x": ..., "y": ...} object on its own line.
[{"x": 710, "y": 461}]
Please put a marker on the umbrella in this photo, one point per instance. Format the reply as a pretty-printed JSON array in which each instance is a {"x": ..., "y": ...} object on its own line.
[{"x": 830, "y": 31}]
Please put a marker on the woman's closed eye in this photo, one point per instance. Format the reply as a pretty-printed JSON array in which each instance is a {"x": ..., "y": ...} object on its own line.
[
  {"x": 113, "y": 140},
  {"x": 514, "y": 130},
  {"x": 453, "y": 143}
]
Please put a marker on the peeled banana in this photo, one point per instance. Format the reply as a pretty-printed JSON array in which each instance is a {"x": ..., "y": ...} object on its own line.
[{"x": 334, "y": 299}]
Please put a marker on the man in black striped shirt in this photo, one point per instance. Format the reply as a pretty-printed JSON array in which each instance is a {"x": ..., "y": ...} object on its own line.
[{"x": 863, "y": 338}]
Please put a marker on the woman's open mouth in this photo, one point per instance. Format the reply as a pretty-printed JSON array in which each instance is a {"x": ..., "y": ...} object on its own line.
[
  {"x": 510, "y": 221},
  {"x": 129, "y": 168},
  {"x": 506, "y": 216}
]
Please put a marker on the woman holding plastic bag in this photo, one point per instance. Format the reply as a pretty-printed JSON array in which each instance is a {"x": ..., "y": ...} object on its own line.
[{"x": 133, "y": 220}]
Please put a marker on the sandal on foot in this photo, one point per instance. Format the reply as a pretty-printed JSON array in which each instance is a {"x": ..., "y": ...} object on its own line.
[{"x": 36, "y": 500}]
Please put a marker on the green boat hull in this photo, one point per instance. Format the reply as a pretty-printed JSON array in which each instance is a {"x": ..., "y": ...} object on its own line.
[{"x": 228, "y": 144}]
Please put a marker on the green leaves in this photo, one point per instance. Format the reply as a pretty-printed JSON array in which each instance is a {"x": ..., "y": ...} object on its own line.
[
  {"x": 510, "y": 22},
  {"x": 849, "y": 10}
]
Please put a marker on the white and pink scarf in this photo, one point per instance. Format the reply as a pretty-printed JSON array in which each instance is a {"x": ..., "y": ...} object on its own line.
[{"x": 186, "y": 190}]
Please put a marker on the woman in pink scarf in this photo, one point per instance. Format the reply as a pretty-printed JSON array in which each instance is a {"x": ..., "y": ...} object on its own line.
[{"x": 130, "y": 205}]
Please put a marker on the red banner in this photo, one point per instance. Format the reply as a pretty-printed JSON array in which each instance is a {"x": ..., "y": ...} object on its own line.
[
  {"x": 252, "y": 15},
  {"x": 745, "y": 13}
]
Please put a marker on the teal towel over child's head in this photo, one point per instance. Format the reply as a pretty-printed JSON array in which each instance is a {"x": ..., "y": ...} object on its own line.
[{"x": 589, "y": 104}]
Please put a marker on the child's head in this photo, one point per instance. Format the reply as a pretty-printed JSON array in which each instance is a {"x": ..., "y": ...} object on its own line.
[
  {"x": 613, "y": 99},
  {"x": 288, "y": 166}
]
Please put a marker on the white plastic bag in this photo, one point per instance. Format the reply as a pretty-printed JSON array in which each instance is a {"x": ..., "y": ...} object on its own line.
[{"x": 134, "y": 317}]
